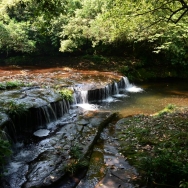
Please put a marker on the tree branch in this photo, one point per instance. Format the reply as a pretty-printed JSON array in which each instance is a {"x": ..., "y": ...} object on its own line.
[
  {"x": 158, "y": 8},
  {"x": 181, "y": 16},
  {"x": 162, "y": 7}
]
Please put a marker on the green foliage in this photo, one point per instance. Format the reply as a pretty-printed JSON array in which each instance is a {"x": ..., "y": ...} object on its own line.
[
  {"x": 183, "y": 184},
  {"x": 5, "y": 151},
  {"x": 168, "y": 109},
  {"x": 171, "y": 106},
  {"x": 82, "y": 29},
  {"x": 12, "y": 84},
  {"x": 74, "y": 164},
  {"x": 96, "y": 58},
  {"x": 66, "y": 94},
  {"x": 144, "y": 28},
  {"x": 14, "y": 109},
  {"x": 157, "y": 146},
  {"x": 13, "y": 36},
  {"x": 75, "y": 152}
]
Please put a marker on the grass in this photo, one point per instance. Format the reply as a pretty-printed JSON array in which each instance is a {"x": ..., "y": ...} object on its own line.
[
  {"x": 12, "y": 84},
  {"x": 158, "y": 147},
  {"x": 14, "y": 109}
]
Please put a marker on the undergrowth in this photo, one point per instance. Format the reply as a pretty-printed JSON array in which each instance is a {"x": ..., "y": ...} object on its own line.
[{"x": 158, "y": 147}]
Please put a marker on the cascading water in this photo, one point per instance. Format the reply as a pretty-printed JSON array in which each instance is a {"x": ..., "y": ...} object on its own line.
[
  {"x": 85, "y": 96},
  {"x": 119, "y": 89},
  {"x": 116, "y": 89},
  {"x": 49, "y": 117},
  {"x": 46, "y": 113},
  {"x": 128, "y": 86},
  {"x": 81, "y": 100},
  {"x": 64, "y": 107}
]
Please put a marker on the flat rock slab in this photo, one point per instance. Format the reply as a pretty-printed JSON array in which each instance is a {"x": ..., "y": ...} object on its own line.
[
  {"x": 111, "y": 169},
  {"x": 110, "y": 181},
  {"x": 52, "y": 154},
  {"x": 34, "y": 97}
]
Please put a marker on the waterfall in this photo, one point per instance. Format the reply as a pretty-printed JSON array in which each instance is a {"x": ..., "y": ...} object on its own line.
[
  {"x": 124, "y": 84},
  {"x": 48, "y": 113},
  {"x": 116, "y": 89},
  {"x": 64, "y": 107},
  {"x": 84, "y": 97}
]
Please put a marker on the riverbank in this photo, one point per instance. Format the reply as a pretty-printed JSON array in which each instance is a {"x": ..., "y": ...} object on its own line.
[
  {"x": 135, "y": 69},
  {"x": 157, "y": 146},
  {"x": 75, "y": 71}
]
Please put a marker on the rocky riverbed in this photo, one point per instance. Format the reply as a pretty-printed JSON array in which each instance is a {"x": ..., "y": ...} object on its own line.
[
  {"x": 59, "y": 152},
  {"x": 54, "y": 160}
]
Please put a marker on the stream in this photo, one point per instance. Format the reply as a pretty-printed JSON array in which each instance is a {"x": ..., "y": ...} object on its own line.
[
  {"x": 108, "y": 168},
  {"x": 155, "y": 97}
]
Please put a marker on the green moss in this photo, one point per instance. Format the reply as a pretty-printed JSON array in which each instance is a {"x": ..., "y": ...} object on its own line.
[{"x": 168, "y": 109}]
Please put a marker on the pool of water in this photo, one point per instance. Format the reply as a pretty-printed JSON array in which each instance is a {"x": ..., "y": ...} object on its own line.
[{"x": 155, "y": 97}]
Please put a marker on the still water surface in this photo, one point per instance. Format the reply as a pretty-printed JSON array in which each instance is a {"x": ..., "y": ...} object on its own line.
[{"x": 154, "y": 98}]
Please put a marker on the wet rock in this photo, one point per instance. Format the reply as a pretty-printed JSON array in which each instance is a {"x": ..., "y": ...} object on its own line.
[
  {"x": 3, "y": 118},
  {"x": 119, "y": 174},
  {"x": 49, "y": 156},
  {"x": 114, "y": 182},
  {"x": 41, "y": 132},
  {"x": 18, "y": 176},
  {"x": 68, "y": 130},
  {"x": 66, "y": 147},
  {"x": 82, "y": 122},
  {"x": 53, "y": 142},
  {"x": 95, "y": 121},
  {"x": 41, "y": 168}
]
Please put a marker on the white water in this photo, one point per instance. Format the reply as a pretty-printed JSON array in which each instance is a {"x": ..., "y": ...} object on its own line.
[
  {"x": 84, "y": 97},
  {"x": 87, "y": 106},
  {"x": 131, "y": 87},
  {"x": 116, "y": 92},
  {"x": 110, "y": 93},
  {"x": 41, "y": 132},
  {"x": 84, "y": 102}
]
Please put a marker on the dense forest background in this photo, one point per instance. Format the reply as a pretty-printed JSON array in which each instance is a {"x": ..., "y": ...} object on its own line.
[{"x": 156, "y": 32}]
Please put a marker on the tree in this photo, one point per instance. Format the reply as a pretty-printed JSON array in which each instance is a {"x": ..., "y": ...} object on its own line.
[{"x": 84, "y": 26}]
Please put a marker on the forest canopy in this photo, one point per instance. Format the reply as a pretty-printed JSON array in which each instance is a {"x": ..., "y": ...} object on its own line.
[{"x": 95, "y": 26}]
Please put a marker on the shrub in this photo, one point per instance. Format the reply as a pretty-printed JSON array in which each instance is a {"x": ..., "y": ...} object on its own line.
[{"x": 66, "y": 94}]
